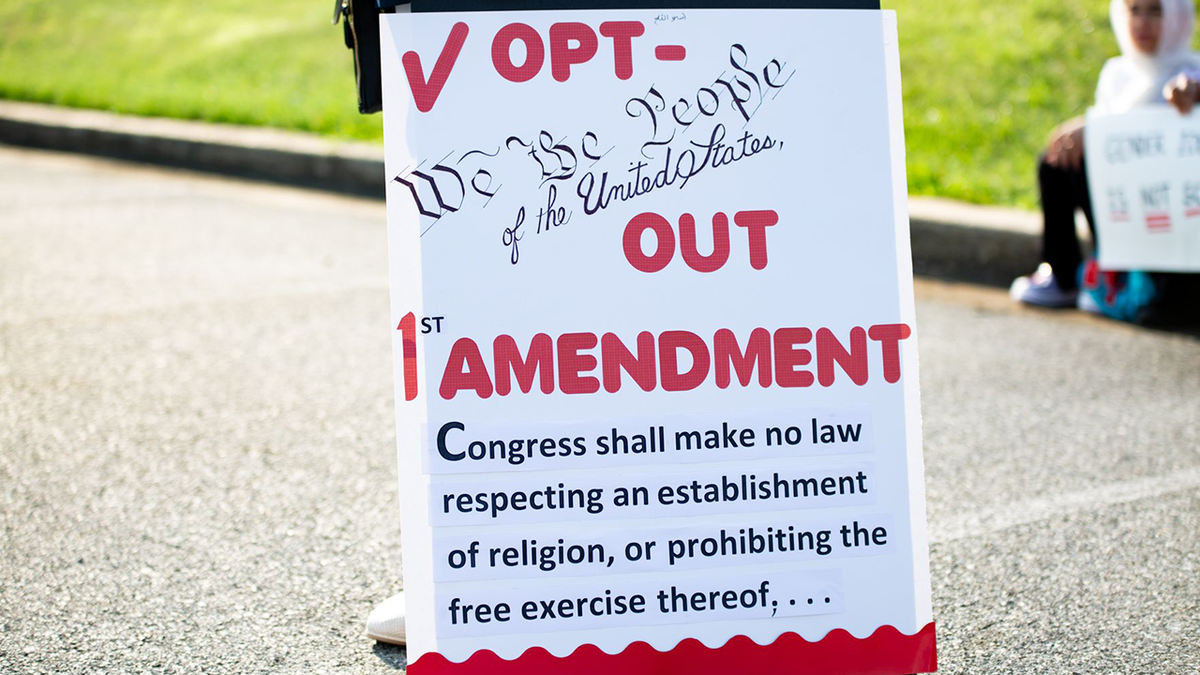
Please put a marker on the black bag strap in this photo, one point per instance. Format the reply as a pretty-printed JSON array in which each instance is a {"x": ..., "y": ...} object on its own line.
[{"x": 360, "y": 26}]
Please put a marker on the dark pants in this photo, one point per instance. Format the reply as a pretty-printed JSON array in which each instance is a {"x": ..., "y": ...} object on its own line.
[{"x": 1063, "y": 190}]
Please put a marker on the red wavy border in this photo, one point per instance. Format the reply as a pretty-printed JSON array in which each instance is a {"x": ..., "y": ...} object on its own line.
[{"x": 887, "y": 651}]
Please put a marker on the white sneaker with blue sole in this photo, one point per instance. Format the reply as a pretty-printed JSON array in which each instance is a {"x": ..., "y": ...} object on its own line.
[{"x": 1041, "y": 289}]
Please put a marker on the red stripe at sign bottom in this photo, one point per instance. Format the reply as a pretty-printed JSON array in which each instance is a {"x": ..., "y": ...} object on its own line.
[{"x": 887, "y": 651}]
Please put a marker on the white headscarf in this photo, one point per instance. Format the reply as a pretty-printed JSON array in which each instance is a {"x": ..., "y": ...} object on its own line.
[{"x": 1134, "y": 78}]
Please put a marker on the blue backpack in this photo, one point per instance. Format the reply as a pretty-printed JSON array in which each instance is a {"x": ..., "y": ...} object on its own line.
[{"x": 1125, "y": 296}]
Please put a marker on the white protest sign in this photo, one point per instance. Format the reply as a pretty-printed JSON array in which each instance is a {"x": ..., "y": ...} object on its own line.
[
  {"x": 1144, "y": 178},
  {"x": 656, "y": 360}
]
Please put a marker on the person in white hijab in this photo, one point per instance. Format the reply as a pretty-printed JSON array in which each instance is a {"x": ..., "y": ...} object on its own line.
[
  {"x": 1155, "y": 40},
  {"x": 1156, "y": 66}
]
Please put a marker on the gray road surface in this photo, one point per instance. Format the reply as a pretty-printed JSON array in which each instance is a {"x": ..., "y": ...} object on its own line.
[{"x": 196, "y": 445}]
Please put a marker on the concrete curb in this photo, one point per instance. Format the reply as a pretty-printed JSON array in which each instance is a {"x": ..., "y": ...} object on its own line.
[
  {"x": 982, "y": 244},
  {"x": 249, "y": 152},
  {"x": 949, "y": 239}
]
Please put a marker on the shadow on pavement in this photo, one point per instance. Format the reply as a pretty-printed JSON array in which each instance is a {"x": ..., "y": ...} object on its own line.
[
  {"x": 1177, "y": 309},
  {"x": 393, "y": 655}
]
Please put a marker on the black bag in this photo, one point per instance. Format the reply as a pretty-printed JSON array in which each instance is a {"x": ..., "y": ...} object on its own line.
[{"x": 361, "y": 28}]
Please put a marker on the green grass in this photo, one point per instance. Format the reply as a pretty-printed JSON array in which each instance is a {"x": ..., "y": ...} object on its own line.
[
  {"x": 984, "y": 81},
  {"x": 276, "y": 64}
]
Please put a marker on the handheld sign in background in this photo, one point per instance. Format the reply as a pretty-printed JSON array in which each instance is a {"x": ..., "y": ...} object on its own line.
[
  {"x": 657, "y": 395},
  {"x": 1144, "y": 178}
]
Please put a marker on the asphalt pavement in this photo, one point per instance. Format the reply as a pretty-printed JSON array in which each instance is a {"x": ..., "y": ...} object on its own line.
[{"x": 197, "y": 466}]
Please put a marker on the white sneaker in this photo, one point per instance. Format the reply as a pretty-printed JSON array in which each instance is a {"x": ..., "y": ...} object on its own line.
[
  {"x": 1041, "y": 289},
  {"x": 386, "y": 622}
]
